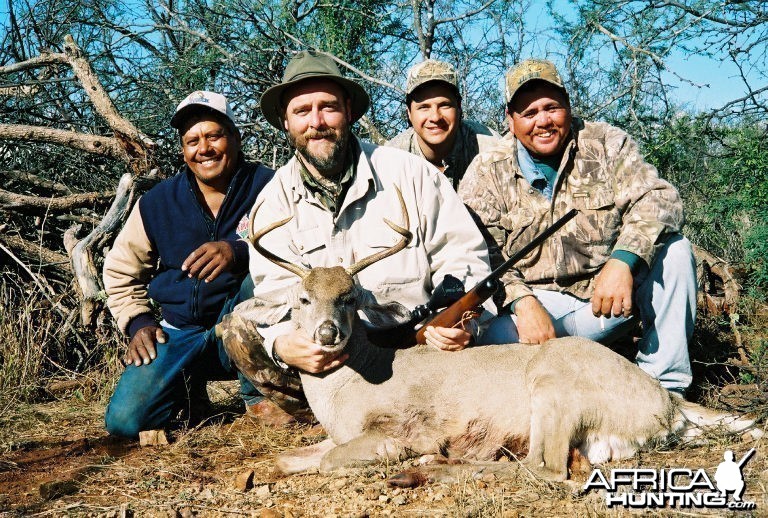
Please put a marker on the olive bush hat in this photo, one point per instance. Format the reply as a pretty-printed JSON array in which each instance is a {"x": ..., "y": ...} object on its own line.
[
  {"x": 305, "y": 65},
  {"x": 530, "y": 70}
]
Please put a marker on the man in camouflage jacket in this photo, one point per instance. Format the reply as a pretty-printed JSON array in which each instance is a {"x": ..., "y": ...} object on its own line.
[
  {"x": 621, "y": 258},
  {"x": 438, "y": 132}
]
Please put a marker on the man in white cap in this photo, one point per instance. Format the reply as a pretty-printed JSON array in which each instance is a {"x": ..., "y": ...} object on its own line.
[
  {"x": 338, "y": 192},
  {"x": 438, "y": 131},
  {"x": 622, "y": 258},
  {"x": 181, "y": 251}
]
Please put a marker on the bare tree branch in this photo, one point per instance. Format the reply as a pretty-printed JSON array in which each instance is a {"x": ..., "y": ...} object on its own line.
[
  {"x": 20, "y": 202},
  {"x": 104, "y": 146}
]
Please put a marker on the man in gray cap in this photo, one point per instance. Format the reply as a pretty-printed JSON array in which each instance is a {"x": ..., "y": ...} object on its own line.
[
  {"x": 623, "y": 256},
  {"x": 438, "y": 132},
  {"x": 337, "y": 192},
  {"x": 181, "y": 250}
]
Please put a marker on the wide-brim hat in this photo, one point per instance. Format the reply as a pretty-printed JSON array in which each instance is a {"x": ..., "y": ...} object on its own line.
[
  {"x": 202, "y": 101},
  {"x": 306, "y": 65},
  {"x": 531, "y": 70}
]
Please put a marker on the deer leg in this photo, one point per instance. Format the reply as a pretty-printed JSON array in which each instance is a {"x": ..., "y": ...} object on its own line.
[
  {"x": 303, "y": 459},
  {"x": 550, "y": 434},
  {"x": 364, "y": 449}
]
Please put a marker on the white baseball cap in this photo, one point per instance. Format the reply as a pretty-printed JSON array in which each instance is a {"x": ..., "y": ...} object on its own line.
[{"x": 201, "y": 98}]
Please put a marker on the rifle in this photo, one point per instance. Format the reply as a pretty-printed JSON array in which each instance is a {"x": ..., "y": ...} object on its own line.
[
  {"x": 485, "y": 289},
  {"x": 450, "y": 293}
]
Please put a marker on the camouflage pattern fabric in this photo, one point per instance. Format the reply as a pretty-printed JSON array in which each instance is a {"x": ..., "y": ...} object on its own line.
[
  {"x": 622, "y": 203},
  {"x": 244, "y": 346},
  {"x": 473, "y": 138},
  {"x": 529, "y": 70},
  {"x": 431, "y": 70}
]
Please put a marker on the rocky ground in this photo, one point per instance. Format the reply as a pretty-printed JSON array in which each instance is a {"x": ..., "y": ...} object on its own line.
[{"x": 57, "y": 460}]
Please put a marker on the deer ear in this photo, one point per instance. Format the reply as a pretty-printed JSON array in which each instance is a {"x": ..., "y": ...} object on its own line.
[{"x": 381, "y": 315}]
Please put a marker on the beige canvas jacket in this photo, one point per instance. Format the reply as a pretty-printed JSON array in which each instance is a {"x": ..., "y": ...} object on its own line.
[
  {"x": 622, "y": 203},
  {"x": 445, "y": 239}
]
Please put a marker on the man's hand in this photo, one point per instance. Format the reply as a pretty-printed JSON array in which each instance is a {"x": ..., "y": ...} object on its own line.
[
  {"x": 298, "y": 350},
  {"x": 534, "y": 325},
  {"x": 209, "y": 260},
  {"x": 613, "y": 290},
  {"x": 141, "y": 350},
  {"x": 447, "y": 338}
]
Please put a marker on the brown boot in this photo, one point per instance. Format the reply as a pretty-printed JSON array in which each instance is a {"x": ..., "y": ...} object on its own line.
[{"x": 267, "y": 412}]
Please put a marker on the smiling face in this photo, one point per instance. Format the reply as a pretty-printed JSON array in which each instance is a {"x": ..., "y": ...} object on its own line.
[
  {"x": 540, "y": 118},
  {"x": 317, "y": 119},
  {"x": 211, "y": 149},
  {"x": 435, "y": 114}
]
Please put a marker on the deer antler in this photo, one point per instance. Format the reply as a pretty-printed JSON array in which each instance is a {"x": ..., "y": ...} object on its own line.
[
  {"x": 403, "y": 231},
  {"x": 254, "y": 237}
]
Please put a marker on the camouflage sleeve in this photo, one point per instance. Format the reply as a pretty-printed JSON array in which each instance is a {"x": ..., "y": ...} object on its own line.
[
  {"x": 651, "y": 207},
  {"x": 481, "y": 192}
]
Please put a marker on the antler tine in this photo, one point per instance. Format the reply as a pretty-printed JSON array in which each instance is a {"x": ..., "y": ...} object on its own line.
[
  {"x": 254, "y": 237},
  {"x": 403, "y": 231}
]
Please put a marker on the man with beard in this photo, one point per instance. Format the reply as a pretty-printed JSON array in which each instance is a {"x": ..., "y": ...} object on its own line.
[{"x": 337, "y": 191}]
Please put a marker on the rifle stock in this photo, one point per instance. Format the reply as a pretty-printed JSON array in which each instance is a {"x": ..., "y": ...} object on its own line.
[
  {"x": 485, "y": 289},
  {"x": 454, "y": 313}
]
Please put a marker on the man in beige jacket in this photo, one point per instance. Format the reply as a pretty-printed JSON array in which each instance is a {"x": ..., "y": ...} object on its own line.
[{"x": 338, "y": 190}]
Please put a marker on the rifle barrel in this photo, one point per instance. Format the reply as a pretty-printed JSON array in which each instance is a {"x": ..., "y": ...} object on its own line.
[{"x": 536, "y": 241}]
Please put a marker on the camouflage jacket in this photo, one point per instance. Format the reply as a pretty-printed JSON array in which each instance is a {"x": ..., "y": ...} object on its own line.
[
  {"x": 473, "y": 138},
  {"x": 622, "y": 203}
]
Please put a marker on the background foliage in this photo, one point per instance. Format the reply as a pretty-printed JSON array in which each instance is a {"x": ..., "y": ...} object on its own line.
[{"x": 618, "y": 58}]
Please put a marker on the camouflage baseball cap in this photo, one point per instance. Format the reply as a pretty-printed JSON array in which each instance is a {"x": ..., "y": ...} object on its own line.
[
  {"x": 431, "y": 70},
  {"x": 529, "y": 70}
]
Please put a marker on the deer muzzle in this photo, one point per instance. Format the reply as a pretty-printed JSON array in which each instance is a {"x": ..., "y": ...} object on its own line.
[{"x": 327, "y": 334}]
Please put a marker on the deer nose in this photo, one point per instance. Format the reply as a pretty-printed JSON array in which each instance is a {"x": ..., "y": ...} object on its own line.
[{"x": 327, "y": 333}]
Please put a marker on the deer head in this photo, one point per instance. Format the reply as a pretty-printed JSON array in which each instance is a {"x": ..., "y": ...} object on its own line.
[{"x": 326, "y": 301}]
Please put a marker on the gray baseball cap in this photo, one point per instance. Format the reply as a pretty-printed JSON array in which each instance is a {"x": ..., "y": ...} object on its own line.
[
  {"x": 205, "y": 100},
  {"x": 431, "y": 70}
]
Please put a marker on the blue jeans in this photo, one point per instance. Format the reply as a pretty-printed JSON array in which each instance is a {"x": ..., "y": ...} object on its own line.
[
  {"x": 149, "y": 396},
  {"x": 665, "y": 299}
]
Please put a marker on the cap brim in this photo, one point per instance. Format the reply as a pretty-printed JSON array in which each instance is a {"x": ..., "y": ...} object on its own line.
[
  {"x": 428, "y": 82},
  {"x": 178, "y": 119},
  {"x": 272, "y": 109},
  {"x": 556, "y": 85}
]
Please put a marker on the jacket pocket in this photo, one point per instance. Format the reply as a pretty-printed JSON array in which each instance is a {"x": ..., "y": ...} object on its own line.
[
  {"x": 600, "y": 218},
  {"x": 309, "y": 244},
  {"x": 515, "y": 222},
  {"x": 403, "y": 268}
]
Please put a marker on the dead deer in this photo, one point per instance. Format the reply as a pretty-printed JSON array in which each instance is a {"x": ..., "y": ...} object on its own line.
[{"x": 540, "y": 400}]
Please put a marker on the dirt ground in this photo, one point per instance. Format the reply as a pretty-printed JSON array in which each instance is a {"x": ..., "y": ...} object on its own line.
[{"x": 57, "y": 460}]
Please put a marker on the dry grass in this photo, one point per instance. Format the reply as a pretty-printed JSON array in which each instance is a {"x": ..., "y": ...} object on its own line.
[
  {"x": 56, "y": 459},
  {"x": 195, "y": 474}
]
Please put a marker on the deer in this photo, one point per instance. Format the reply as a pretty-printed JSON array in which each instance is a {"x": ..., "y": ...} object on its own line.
[{"x": 569, "y": 398}]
